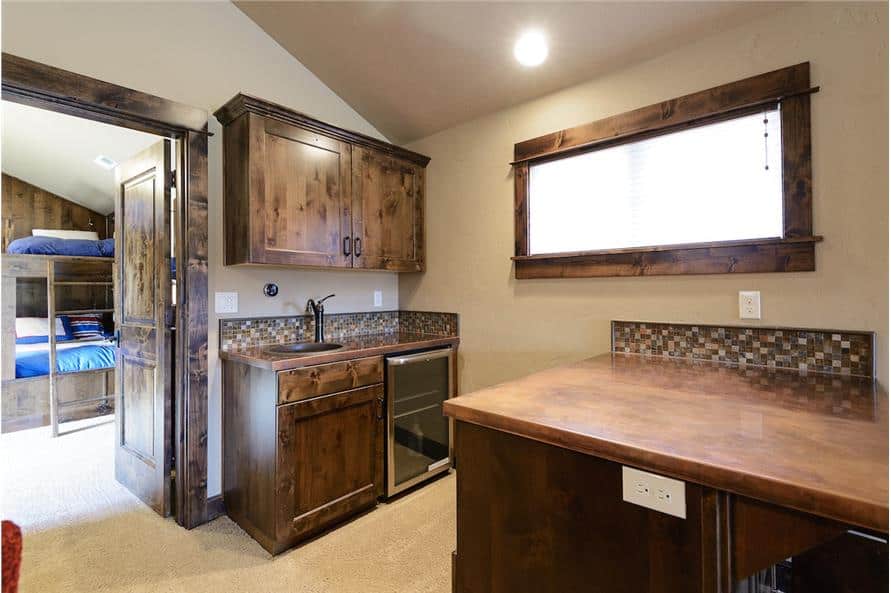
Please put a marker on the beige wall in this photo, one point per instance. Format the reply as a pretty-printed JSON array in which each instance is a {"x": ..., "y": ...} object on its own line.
[
  {"x": 140, "y": 45},
  {"x": 510, "y": 328}
]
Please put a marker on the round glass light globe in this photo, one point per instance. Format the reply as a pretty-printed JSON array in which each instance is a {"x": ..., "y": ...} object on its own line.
[{"x": 531, "y": 49}]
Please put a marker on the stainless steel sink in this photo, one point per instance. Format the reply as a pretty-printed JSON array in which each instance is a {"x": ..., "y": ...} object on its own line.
[{"x": 302, "y": 348}]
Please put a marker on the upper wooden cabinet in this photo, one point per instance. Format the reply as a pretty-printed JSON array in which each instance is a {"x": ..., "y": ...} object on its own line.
[
  {"x": 305, "y": 193},
  {"x": 388, "y": 212}
]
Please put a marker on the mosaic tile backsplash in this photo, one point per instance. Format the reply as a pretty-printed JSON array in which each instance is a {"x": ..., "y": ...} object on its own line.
[
  {"x": 809, "y": 350},
  {"x": 262, "y": 331}
]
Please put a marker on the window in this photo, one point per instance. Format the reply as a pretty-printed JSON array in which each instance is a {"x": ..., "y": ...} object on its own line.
[
  {"x": 711, "y": 183},
  {"x": 720, "y": 185}
]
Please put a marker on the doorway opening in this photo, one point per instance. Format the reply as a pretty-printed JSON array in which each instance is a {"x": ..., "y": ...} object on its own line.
[
  {"x": 104, "y": 259},
  {"x": 76, "y": 285}
]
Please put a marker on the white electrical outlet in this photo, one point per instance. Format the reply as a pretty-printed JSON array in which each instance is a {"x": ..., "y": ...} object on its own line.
[
  {"x": 378, "y": 298},
  {"x": 750, "y": 304},
  {"x": 226, "y": 302},
  {"x": 652, "y": 491}
]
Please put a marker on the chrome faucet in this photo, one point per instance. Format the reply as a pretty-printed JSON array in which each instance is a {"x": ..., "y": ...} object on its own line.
[{"x": 318, "y": 313}]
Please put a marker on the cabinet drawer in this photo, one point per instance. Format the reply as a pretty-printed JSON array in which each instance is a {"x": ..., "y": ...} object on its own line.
[{"x": 322, "y": 379}]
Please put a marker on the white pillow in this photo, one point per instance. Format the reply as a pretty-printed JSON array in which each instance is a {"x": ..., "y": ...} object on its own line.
[
  {"x": 26, "y": 327},
  {"x": 88, "y": 235}
]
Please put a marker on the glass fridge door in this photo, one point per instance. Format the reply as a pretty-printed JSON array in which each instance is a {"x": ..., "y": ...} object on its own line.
[{"x": 418, "y": 432}]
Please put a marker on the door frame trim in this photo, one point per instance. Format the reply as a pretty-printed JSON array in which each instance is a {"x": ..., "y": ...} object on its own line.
[{"x": 39, "y": 85}]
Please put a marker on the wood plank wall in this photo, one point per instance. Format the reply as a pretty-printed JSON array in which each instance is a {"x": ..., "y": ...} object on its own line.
[{"x": 27, "y": 206}]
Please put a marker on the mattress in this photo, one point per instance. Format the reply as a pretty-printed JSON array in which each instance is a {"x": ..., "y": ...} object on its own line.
[
  {"x": 56, "y": 246},
  {"x": 32, "y": 360}
]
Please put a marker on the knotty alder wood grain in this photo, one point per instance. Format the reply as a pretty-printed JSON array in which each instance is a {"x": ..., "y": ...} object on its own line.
[
  {"x": 802, "y": 442},
  {"x": 304, "y": 193},
  {"x": 793, "y": 252},
  {"x": 292, "y": 470},
  {"x": 27, "y": 207},
  {"x": 190, "y": 396},
  {"x": 143, "y": 455},
  {"x": 326, "y": 466},
  {"x": 327, "y": 378},
  {"x": 734, "y": 257},
  {"x": 388, "y": 212},
  {"x": 306, "y": 202},
  {"x": 58, "y": 90}
]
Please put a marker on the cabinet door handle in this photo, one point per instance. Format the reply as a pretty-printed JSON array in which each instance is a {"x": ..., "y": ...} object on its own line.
[
  {"x": 358, "y": 248},
  {"x": 346, "y": 245},
  {"x": 380, "y": 408}
]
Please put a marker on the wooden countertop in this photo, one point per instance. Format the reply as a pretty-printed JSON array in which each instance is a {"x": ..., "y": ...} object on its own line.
[
  {"x": 816, "y": 443},
  {"x": 353, "y": 347}
]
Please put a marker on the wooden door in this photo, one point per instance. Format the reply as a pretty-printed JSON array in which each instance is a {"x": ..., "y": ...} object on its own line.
[
  {"x": 305, "y": 199},
  {"x": 388, "y": 212},
  {"x": 326, "y": 462},
  {"x": 143, "y": 452}
]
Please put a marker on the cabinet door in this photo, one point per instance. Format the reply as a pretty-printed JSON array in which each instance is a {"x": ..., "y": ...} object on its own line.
[
  {"x": 388, "y": 212},
  {"x": 327, "y": 467},
  {"x": 305, "y": 197}
]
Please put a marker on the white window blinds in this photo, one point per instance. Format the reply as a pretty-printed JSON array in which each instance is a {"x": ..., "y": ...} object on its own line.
[{"x": 716, "y": 182}]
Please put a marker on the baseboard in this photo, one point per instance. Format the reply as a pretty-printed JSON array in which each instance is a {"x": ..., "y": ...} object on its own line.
[{"x": 216, "y": 507}]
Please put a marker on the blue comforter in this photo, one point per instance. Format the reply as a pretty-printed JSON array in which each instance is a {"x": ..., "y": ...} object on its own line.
[
  {"x": 81, "y": 247},
  {"x": 56, "y": 246},
  {"x": 82, "y": 358}
]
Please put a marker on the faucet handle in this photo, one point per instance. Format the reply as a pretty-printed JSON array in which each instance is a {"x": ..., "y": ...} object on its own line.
[{"x": 320, "y": 301}]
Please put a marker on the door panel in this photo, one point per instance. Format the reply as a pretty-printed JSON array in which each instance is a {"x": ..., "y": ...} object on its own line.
[
  {"x": 143, "y": 422},
  {"x": 138, "y": 218},
  {"x": 387, "y": 212},
  {"x": 137, "y": 433},
  {"x": 326, "y": 462},
  {"x": 306, "y": 202}
]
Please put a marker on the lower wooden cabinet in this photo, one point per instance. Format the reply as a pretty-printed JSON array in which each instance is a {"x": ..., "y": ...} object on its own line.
[
  {"x": 294, "y": 469},
  {"x": 326, "y": 466}
]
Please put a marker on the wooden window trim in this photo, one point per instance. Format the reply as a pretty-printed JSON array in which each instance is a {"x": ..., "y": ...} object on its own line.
[{"x": 793, "y": 252}]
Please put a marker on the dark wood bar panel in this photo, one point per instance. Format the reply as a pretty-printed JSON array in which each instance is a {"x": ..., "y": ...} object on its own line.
[{"x": 775, "y": 464}]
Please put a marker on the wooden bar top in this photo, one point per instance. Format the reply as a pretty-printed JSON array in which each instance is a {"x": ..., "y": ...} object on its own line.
[
  {"x": 353, "y": 347},
  {"x": 816, "y": 443}
]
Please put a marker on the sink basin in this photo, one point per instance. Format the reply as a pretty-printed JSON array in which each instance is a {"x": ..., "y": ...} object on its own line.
[{"x": 302, "y": 348}]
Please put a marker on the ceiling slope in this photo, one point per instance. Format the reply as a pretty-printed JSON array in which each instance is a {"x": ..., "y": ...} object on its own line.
[{"x": 414, "y": 68}]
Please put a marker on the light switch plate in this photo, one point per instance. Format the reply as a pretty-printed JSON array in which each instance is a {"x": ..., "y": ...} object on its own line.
[
  {"x": 226, "y": 302},
  {"x": 655, "y": 492},
  {"x": 378, "y": 298},
  {"x": 750, "y": 304}
]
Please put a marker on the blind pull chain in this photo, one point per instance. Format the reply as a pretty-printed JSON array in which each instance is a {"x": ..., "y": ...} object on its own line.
[{"x": 766, "y": 156}]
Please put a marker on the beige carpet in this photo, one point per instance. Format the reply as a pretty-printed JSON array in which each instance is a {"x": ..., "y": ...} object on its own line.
[{"x": 84, "y": 532}]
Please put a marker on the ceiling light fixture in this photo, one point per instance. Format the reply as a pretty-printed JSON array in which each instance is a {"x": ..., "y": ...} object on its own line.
[
  {"x": 105, "y": 162},
  {"x": 531, "y": 48}
]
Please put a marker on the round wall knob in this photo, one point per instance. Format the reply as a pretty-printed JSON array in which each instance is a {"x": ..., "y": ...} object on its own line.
[{"x": 271, "y": 289}]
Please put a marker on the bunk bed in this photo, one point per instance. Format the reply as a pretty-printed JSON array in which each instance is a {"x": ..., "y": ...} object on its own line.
[{"x": 59, "y": 378}]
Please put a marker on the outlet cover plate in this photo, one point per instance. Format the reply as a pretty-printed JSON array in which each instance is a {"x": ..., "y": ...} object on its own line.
[
  {"x": 750, "y": 304},
  {"x": 378, "y": 298},
  {"x": 655, "y": 492},
  {"x": 226, "y": 302}
]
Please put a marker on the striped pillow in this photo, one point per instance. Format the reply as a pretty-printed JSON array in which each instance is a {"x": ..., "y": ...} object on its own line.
[{"x": 85, "y": 326}]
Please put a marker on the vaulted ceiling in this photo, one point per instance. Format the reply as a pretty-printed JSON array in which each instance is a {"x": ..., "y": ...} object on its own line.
[
  {"x": 55, "y": 152},
  {"x": 415, "y": 68}
]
